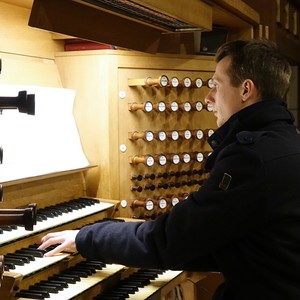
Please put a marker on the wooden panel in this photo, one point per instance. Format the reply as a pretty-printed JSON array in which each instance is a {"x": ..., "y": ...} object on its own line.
[
  {"x": 44, "y": 190},
  {"x": 239, "y": 9},
  {"x": 154, "y": 121},
  {"x": 27, "y": 70},
  {"x": 80, "y": 20},
  {"x": 18, "y": 38},
  {"x": 22, "y": 3}
]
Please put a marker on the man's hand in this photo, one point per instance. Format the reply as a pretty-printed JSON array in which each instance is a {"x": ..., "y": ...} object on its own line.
[{"x": 65, "y": 238}]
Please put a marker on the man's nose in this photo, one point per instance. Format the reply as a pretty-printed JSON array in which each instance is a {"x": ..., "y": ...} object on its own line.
[{"x": 208, "y": 99}]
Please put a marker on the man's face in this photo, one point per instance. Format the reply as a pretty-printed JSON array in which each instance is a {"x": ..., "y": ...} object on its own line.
[{"x": 225, "y": 99}]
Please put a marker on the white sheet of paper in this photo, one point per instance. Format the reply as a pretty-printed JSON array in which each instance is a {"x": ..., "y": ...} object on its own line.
[{"x": 44, "y": 143}]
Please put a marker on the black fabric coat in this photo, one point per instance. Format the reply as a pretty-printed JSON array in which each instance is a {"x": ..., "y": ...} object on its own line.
[{"x": 244, "y": 221}]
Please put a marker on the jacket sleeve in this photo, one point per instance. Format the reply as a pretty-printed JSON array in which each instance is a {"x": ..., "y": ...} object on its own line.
[{"x": 224, "y": 209}]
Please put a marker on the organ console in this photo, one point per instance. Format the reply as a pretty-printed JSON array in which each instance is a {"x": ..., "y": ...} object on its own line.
[
  {"x": 62, "y": 204},
  {"x": 150, "y": 161},
  {"x": 159, "y": 94}
]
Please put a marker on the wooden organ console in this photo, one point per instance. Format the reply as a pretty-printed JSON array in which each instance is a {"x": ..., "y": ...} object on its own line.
[
  {"x": 62, "y": 204},
  {"x": 143, "y": 124}
]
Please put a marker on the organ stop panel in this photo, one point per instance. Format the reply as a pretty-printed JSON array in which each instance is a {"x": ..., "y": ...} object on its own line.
[{"x": 144, "y": 122}]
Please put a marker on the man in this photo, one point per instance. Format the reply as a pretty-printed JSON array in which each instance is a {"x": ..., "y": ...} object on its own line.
[{"x": 245, "y": 219}]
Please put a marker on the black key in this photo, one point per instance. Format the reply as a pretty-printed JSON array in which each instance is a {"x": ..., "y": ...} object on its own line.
[
  {"x": 14, "y": 255},
  {"x": 6, "y": 228},
  {"x": 41, "y": 217},
  {"x": 98, "y": 262},
  {"x": 58, "y": 286},
  {"x": 15, "y": 261},
  {"x": 131, "y": 288},
  {"x": 44, "y": 287},
  {"x": 65, "y": 279},
  {"x": 97, "y": 266},
  {"x": 33, "y": 294},
  {"x": 76, "y": 277},
  {"x": 24, "y": 254},
  {"x": 9, "y": 265},
  {"x": 79, "y": 273},
  {"x": 89, "y": 269},
  {"x": 32, "y": 251}
]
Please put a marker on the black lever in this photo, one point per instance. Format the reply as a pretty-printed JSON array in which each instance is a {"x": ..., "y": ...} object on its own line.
[{"x": 23, "y": 102}]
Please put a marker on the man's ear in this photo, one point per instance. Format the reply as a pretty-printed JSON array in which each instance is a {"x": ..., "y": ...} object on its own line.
[{"x": 249, "y": 90}]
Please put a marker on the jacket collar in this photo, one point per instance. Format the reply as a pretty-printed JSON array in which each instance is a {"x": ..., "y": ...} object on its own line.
[{"x": 251, "y": 118}]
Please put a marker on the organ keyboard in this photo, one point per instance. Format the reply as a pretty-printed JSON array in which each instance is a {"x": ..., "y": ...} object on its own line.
[{"x": 61, "y": 204}]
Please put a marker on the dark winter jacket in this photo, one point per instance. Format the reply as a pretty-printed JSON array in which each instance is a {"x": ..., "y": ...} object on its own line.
[{"x": 244, "y": 221}]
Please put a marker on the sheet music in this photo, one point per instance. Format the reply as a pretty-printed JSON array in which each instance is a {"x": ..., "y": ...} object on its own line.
[{"x": 44, "y": 143}]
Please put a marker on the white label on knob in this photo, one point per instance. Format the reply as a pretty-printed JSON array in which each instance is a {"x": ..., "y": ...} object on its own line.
[
  {"x": 210, "y": 83},
  {"x": 199, "y": 106},
  {"x": 161, "y": 106},
  {"x": 210, "y": 132},
  {"x": 148, "y": 106},
  {"x": 187, "y": 106},
  {"x": 164, "y": 80},
  {"x": 198, "y": 82},
  {"x": 200, "y": 157},
  {"x": 175, "y": 135},
  {"x": 186, "y": 158},
  {"x": 149, "y": 136},
  {"x": 162, "y": 203},
  {"x": 162, "y": 136},
  {"x": 199, "y": 134},
  {"x": 174, "y": 106},
  {"x": 175, "y": 200},
  {"x": 150, "y": 161},
  {"x": 176, "y": 159},
  {"x": 187, "y": 82},
  {"x": 162, "y": 160},
  {"x": 149, "y": 205},
  {"x": 174, "y": 81},
  {"x": 187, "y": 134},
  {"x": 209, "y": 107}
]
